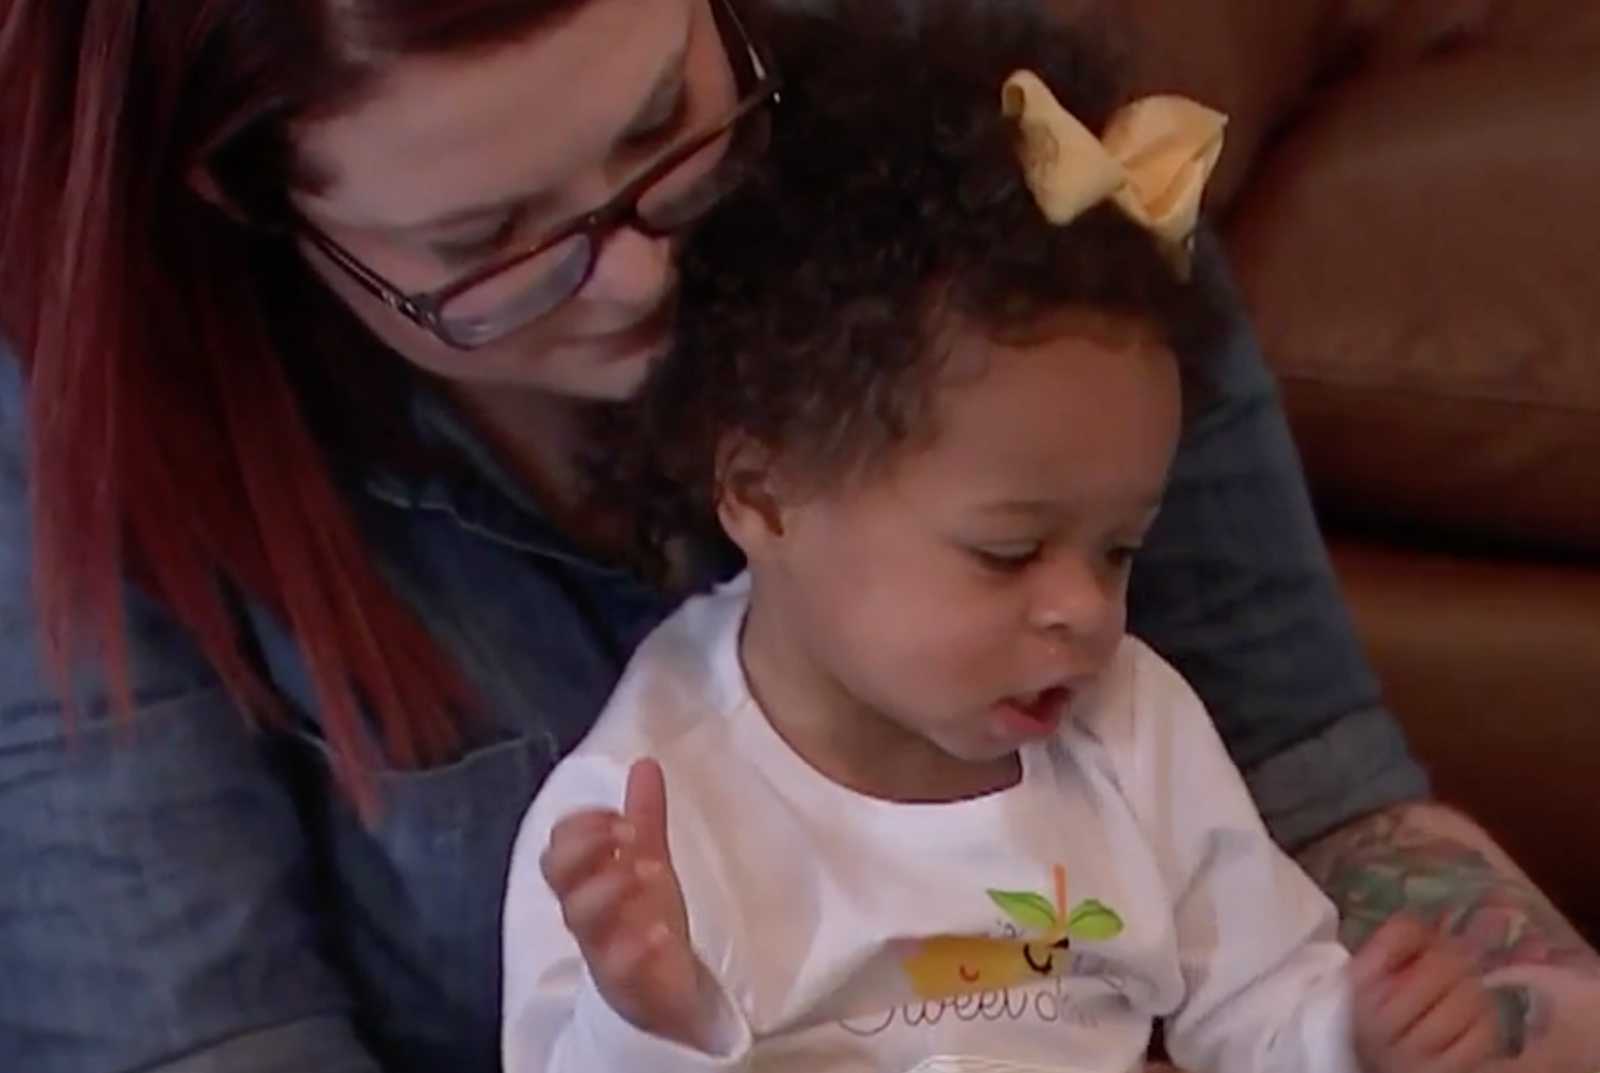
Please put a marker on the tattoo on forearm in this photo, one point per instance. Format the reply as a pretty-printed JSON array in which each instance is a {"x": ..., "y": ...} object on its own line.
[
  {"x": 1392, "y": 863},
  {"x": 1398, "y": 861},
  {"x": 1515, "y": 1007}
]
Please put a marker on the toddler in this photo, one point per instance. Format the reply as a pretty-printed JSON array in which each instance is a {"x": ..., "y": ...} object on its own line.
[{"x": 930, "y": 809}]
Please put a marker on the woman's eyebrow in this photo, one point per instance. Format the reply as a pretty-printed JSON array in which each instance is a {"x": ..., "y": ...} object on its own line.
[{"x": 661, "y": 98}]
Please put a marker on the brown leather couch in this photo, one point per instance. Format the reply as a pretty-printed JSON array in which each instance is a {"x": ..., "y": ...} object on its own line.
[{"x": 1412, "y": 202}]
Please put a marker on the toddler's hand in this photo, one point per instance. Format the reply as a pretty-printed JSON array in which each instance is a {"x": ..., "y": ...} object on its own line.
[
  {"x": 621, "y": 900},
  {"x": 1420, "y": 1005}
]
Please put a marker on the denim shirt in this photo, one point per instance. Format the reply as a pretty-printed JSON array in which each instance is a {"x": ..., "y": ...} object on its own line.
[{"x": 183, "y": 894}]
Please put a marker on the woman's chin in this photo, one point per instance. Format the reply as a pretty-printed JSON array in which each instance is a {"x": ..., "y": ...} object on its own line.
[
  {"x": 618, "y": 376},
  {"x": 580, "y": 373},
  {"x": 608, "y": 369}
]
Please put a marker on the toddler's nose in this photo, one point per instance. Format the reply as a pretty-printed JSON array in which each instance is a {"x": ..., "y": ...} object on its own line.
[{"x": 1077, "y": 602}]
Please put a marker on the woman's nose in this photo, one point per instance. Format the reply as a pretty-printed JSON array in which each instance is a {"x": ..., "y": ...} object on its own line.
[{"x": 632, "y": 269}]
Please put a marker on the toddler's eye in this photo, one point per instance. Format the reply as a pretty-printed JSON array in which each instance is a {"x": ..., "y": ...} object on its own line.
[{"x": 1006, "y": 558}]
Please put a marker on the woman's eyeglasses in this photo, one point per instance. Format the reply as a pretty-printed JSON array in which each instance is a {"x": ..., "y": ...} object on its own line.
[{"x": 674, "y": 192}]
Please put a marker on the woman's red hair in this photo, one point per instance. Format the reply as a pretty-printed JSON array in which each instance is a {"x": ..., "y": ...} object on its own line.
[{"x": 169, "y": 438}]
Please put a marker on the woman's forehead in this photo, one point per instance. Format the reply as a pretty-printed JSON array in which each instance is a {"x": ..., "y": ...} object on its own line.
[{"x": 440, "y": 134}]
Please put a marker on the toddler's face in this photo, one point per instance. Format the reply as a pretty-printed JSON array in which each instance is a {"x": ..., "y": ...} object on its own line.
[{"x": 971, "y": 589}]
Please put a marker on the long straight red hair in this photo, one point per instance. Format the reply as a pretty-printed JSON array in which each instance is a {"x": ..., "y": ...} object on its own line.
[{"x": 169, "y": 437}]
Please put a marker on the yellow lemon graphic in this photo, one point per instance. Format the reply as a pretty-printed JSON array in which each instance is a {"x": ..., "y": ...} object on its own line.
[{"x": 945, "y": 966}]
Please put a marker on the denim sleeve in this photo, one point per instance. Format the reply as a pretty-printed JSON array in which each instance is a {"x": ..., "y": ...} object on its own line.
[
  {"x": 1235, "y": 589},
  {"x": 156, "y": 906}
]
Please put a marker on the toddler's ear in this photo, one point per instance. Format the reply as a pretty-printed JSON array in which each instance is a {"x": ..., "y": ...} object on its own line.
[{"x": 749, "y": 499}]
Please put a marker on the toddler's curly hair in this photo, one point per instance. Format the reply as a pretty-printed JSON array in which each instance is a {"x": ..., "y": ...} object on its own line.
[{"x": 890, "y": 206}]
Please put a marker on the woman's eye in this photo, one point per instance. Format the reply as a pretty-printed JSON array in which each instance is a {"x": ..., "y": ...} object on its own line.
[
  {"x": 663, "y": 130},
  {"x": 1006, "y": 559},
  {"x": 476, "y": 247}
]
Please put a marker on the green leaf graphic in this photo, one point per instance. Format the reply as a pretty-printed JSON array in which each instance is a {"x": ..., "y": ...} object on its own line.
[
  {"x": 1028, "y": 910},
  {"x": 1093, "y": 921}
]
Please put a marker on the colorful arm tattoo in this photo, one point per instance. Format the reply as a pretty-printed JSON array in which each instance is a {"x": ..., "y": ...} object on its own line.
[{"x": 1431, "y": 862}]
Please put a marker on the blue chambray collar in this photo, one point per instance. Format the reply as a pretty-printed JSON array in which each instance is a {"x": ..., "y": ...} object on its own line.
[{"x": 484, "y": 497}]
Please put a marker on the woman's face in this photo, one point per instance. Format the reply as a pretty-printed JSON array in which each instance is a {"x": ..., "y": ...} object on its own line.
[{"x": 451, "y": 162}]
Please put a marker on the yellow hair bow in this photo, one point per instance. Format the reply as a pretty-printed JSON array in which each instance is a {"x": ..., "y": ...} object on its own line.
[{"x": 1153, "y": 161}]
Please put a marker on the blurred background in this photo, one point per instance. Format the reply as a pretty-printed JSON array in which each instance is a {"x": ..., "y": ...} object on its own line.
[{"x": 1412, "y": 203}]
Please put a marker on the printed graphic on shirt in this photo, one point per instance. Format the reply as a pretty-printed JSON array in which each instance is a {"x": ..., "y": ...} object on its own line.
[
  {"x": 949, "y": 965},
  {"x": 953, "y": 1064}
]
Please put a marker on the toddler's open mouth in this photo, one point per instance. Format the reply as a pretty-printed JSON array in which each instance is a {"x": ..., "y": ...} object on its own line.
[{"x": 1034, "y": 715}]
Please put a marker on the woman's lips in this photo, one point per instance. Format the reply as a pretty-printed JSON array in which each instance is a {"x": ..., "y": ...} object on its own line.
[{"x": 651, "y": 332}]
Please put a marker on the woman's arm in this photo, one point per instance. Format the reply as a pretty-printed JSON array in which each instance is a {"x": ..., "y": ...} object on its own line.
[
  {"x": 158, "y": 903},
  {"x": 1433, "y": 862},
  {"x": 158, "y": 911}
]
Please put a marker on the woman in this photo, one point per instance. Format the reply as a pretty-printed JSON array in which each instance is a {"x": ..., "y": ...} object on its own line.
[{"x": 309, "y": 302}]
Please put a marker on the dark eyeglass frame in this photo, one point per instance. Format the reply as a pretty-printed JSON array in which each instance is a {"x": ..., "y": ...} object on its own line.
[{"x": 754, "y": 67}]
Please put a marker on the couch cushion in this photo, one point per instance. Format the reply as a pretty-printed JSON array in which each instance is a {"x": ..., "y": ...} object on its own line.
[
  {"x": 1422, "y": 255},
  {"x": 1492, "y": 667},
  {"x": 1250, "y": 59}
]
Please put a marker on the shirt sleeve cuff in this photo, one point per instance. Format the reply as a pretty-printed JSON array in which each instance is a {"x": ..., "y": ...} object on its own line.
[
  {"x": 621, "y": 1046},
  {"x": 1327, "y": 1027},
  {"x": 1359, "y": 765}
]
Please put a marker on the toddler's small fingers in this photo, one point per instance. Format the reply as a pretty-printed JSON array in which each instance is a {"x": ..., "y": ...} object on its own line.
[
  {"x": 1393, "y": 946},
  {"x": 1398, "y": 1001},
  {"x": 598, "y": 905},
  {"x": 1454, "y": 955},
  {"x": 585, "y": 822},
  {"x": 628, "y": 951},
  {"x": 577, "y": 850},
  {"x": 1464, "y": 1009},
  {"x": 1474, "y": 1051}
]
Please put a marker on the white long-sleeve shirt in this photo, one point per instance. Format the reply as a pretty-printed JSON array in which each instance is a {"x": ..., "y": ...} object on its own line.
[{"x": 1126, "y": 878}]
